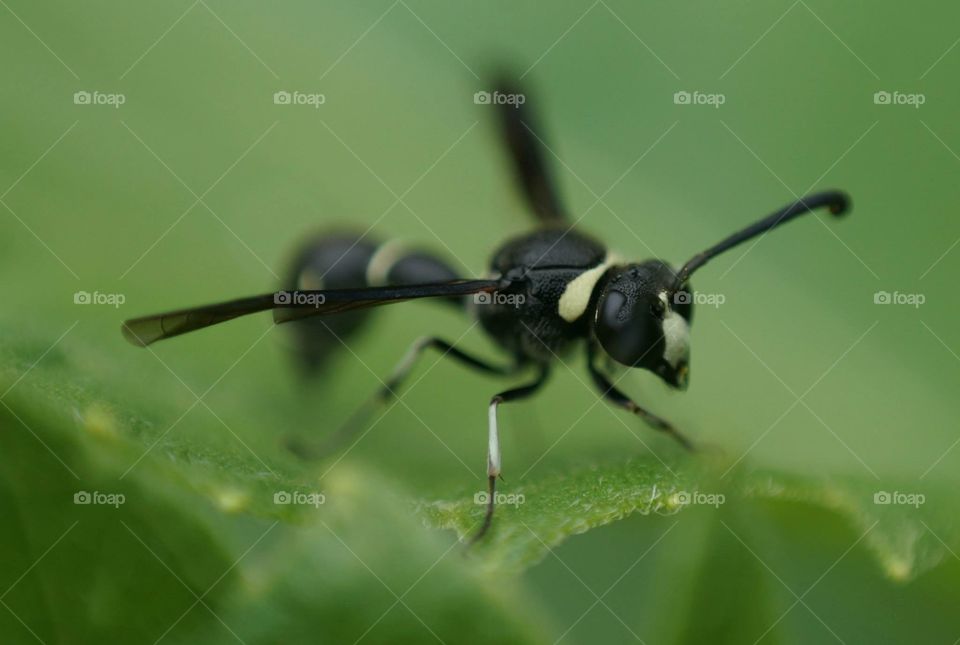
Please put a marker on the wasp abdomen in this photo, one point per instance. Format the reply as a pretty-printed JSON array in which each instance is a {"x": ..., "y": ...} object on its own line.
[{"x": 349, "y": 260}]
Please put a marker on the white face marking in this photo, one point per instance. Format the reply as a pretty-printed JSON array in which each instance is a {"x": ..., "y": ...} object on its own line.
[
  {"x": 576, "y": 295},
  {"x": 382, "y": 261},
  {"x": 676, "y": 335}
]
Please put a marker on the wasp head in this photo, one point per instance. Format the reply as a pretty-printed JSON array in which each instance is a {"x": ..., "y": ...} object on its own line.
[{"x": 643, "y": 320}]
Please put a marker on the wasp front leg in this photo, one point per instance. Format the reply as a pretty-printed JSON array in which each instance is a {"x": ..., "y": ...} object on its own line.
[
  {"x": 610, "y": 392},
  {"x": 493, "y": 442}
]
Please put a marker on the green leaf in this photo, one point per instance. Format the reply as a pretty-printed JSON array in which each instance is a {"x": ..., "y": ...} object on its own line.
[
  {"x": 908, "y": 535},
  {"x": 199, "y": 520},
  {"x": 909, "y": 526},
  {"x": 536, "y": 517},
  {"x": 193, "y": 547}
]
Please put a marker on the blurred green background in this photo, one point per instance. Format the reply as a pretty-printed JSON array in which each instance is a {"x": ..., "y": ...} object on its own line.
[{"x": 199, "y": 187}]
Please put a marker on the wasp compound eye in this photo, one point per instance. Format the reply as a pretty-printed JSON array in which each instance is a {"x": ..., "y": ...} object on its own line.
[{"x": 627, "y": 329}]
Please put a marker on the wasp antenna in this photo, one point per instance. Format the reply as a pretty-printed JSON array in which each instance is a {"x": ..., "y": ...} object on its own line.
[{"x": 835, "y": 201}]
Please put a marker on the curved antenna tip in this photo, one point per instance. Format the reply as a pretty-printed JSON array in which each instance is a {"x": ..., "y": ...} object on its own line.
[{"x": 842, "y": 205}]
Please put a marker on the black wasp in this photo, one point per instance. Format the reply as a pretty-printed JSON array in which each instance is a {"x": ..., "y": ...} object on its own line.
[{"x": 549, "y": 290}]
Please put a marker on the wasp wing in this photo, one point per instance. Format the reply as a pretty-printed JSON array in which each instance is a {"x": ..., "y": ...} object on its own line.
[
  {"x": 523, "y": 141},
  {"x": 293, "y": 305},
  {"x": 321, "y": 303},
  {"x": 149, "y": 329}
]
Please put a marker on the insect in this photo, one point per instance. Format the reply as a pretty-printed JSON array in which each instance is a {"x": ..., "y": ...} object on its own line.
[{"x": 549, "y": 291}]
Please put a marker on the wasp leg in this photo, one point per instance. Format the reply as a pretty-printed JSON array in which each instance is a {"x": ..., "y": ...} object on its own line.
[
  {"x": 618, "y": 398},
  {"x": 493, "y": 447},
  {"x": 389, "y": 389}
]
